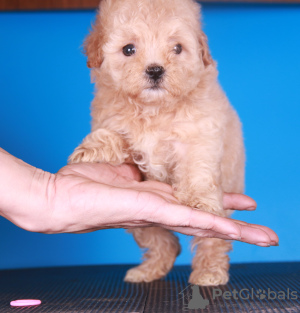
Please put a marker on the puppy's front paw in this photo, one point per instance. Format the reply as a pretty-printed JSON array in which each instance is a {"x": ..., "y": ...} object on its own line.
[
  {"x": 209, "y": 277},
  {"x": 100, "y": 146},
  {"x": 102, "y": 153},
  {"x": 82, "y": 154}
]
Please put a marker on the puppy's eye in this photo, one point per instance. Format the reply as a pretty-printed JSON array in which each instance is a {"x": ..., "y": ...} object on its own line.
[
  {"x": 129, "y": 50},
  {"x": 178, "y": 48}
]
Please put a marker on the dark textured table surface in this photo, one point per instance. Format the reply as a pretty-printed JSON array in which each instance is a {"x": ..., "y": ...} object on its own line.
[{"x": 259, "y": 287}]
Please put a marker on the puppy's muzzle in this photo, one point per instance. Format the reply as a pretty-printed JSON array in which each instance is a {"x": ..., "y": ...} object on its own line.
[{"x": 155, "y": 72}]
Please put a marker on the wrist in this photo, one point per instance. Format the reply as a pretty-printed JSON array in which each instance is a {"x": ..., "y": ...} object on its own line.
[{"x": 23, "y": 193}]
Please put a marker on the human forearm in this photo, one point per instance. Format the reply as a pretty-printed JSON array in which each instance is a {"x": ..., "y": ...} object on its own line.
[{"x": 22, "y": 192}]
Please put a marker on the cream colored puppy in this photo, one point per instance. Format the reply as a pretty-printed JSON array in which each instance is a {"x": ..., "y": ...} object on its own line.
[{"x": 158, "y": 104}]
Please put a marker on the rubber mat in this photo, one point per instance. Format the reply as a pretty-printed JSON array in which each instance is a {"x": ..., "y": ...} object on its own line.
[{"x": 260, "y": 287}]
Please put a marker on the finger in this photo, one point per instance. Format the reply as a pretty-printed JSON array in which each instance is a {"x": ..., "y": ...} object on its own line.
[
  {"x": 196, "y": 232},
  {"x": 151, "y": 184},
  {"x": 235, "y": 201},
  {"x": 249, "y": 234},
  {"x": 155, "y": 187},
  {"x": 164, "y": 195},
  {"x": 254, "y": 235},
  {"x": 149, "y": 207},
  {"x": 129, "y": 170},
  {"x": 273, "y": 236},
  {"x": 213, "y": 234},
  {"x": 180, "y": 216}
]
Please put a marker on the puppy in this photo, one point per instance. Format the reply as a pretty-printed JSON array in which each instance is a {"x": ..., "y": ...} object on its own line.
[{"x": 158, "y": 104}]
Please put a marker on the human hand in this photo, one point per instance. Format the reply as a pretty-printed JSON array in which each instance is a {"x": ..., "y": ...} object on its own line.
[{"x": 85, "y": 197}]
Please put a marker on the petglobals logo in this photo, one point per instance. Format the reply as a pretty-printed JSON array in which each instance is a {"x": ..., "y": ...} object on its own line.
[
  {"x": 253, "y": 294},
  {"x": 193, "y": 299}
]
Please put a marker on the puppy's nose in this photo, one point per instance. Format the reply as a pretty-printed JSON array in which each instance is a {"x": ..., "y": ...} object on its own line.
[{"x": 155, "y": 72}]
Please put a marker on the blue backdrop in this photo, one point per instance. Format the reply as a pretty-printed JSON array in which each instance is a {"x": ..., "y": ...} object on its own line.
[{"x": 45, "y": 93}]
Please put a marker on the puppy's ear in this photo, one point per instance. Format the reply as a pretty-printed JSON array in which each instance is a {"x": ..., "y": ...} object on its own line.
[
  {"x": 93, "y": 45},
  {"x": 205, "y": 54}
]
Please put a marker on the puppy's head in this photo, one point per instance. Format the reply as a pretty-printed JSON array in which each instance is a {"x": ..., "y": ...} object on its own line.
[{"x": 150, "y": 50}]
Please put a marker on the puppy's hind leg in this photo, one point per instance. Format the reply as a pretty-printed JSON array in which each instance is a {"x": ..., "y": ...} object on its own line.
[
  {"x": 163, "y": 248},
  {"x": 102, "y": 145}
]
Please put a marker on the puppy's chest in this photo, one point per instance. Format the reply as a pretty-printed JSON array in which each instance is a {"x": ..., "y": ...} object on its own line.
[{"x": 156, "y": 152}]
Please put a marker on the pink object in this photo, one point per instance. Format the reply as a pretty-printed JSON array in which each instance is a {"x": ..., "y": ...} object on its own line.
[{"x": 25, "y": 302}]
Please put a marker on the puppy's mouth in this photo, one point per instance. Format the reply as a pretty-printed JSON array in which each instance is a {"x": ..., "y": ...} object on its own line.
[
  {"x": 155, "y": 86},
  {"x": 153, "y": 92}
]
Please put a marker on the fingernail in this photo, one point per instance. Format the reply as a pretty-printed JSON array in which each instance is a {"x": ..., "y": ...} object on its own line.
[
  {"x": 263, "y": 244},
  {"x": 276, "y": 244},
  {"x": 251, "y": 208},
  {"x": 235, "y": 237}
]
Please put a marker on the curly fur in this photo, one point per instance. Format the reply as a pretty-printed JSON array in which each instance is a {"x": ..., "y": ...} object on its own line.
[{"x": 184, "y": 133}]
